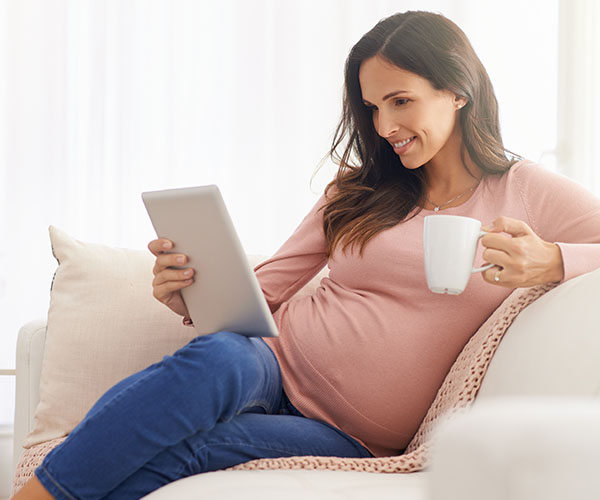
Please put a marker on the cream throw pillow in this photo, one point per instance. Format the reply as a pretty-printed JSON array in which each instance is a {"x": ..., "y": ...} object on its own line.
[{"x": 103, "y": 325}]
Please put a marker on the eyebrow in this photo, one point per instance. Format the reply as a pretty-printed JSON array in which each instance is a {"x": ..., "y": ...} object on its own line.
[{"x": 390, "y": 95}]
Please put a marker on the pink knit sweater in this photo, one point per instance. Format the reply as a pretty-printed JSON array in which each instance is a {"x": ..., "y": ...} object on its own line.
[{"x": 368, "y": 351}]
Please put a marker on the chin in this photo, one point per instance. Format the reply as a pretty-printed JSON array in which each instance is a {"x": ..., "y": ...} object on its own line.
[{"x": 410, "y": 165}]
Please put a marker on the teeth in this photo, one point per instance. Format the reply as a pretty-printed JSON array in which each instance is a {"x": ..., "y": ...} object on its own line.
[{"x": 403, "y": 143}]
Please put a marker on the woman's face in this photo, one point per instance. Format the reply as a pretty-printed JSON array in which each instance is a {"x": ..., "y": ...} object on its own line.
[{"x": 418, "y": 120}]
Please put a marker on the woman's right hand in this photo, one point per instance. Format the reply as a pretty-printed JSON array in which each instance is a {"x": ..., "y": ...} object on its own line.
[{"x": 168, "y": 282}]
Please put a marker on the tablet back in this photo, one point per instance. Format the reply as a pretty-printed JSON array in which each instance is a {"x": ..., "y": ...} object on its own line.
[{"x": 225, "y": 295}]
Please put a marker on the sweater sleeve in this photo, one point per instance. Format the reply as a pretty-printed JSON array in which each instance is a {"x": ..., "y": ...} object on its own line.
[
  {"x": 563, "y": 212},
  {"x": 298, "y": 260}
]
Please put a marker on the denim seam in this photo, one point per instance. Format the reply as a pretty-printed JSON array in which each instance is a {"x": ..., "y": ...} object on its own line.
[{"x": 56, "y": 484}]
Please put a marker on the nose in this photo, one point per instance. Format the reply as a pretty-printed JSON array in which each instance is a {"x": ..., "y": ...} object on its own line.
[{"x": 385, "y": 125}]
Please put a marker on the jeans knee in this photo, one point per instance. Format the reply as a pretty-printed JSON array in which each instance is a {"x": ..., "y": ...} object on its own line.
[
  {"x": 215, "y": 352},
  {"x": 237, "y": 371}
]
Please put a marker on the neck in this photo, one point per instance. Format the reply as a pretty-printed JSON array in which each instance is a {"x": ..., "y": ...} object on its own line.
[
  {"x": 448, "y": 173},
  {"x": 450, "y": 179}
]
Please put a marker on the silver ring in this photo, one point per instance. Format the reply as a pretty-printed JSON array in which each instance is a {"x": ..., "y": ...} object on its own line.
[{"x": 497, "y": 275}]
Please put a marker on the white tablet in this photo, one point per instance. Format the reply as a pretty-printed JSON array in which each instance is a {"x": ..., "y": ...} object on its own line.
[{"x": 225, "y": 295}]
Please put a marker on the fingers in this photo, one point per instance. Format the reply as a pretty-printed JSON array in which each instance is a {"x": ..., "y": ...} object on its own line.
[
  {"x": 514, "y": 227},
  {"x": 164, "y": 259},
  {"x": 172, "y": 275},
  {"x": 496, "y": 241},
  {"x": 169, "y": 275},
  {"x": 521, "y": 257},
  {"x": 502, "y": 262},
  {"x": 502, "y": 244},
  {"x": 506, "y": 255},
  {"x": 165, "y": 289},
  {"x": 160, "y": 245},
  {"x": 497, "y": 275},
  {"x": 170, "y": 280},
  {"x": 489, "y": 274},
  {"x": 169, "y": 260},
  {"x": 496, "y": 244},
  {"x": 497, "y": 257}
]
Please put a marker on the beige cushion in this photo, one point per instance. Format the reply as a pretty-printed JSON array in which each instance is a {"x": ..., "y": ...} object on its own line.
[
  {"x": 553, "y": 346},
  {"x": 103, "y": 325}
]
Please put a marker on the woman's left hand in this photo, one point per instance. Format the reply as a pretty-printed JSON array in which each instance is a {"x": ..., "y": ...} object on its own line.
[{"x": 520, "y": 256}]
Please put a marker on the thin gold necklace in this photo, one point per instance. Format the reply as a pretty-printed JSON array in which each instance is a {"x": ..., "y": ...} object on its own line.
[{"x": 436, "y": 207}]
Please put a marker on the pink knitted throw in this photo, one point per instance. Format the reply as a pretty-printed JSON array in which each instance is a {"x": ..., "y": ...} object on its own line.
[{"x": 457, "y": 392}]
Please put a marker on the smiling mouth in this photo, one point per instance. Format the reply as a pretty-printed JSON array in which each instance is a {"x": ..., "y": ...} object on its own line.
[{"x": 403, "y": 143}]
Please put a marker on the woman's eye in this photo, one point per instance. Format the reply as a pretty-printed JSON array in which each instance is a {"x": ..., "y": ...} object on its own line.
[{"x": 400, "y": 102}]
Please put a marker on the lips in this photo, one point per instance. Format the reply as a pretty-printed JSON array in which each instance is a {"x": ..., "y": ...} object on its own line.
[
  {"x": 402, "y": 143},
  {"x": 402, "y": 146}
]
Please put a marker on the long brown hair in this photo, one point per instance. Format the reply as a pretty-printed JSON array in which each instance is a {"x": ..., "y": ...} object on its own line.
[{"x": 373, "y": 191}]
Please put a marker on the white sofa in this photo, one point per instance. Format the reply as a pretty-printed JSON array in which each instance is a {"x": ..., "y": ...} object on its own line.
[
  {"x": 551, "y": 350},
  {"x": 275, "y": 484}
]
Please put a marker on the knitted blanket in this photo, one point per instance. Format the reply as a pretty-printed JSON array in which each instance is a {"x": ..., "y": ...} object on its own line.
[{"x": 455, "y": 394}]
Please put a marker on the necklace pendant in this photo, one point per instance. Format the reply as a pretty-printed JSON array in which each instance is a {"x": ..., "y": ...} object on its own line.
[{"x": 436, "y": 209}]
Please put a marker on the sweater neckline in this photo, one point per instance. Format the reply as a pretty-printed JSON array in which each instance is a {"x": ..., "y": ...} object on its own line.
[{"x": 459, "y": 209}]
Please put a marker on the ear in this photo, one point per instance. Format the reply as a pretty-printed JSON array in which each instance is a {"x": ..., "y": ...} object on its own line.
[{"x": 460, "y": 102}]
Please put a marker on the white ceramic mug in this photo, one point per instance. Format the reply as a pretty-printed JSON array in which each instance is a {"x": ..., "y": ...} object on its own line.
[{"x": 450, "y": 244}]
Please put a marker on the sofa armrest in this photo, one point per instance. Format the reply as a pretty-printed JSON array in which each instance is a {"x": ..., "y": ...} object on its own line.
[
  {"x": 30, "y": 351},
  {"x": 518, "y": 448}
]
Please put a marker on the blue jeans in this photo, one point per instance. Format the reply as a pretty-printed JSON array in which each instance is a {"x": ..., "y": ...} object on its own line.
[{"x": 215, "y": 403}]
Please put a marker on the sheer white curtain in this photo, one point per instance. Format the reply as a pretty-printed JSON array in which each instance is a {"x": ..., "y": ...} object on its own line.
[
  {"x": 578, "y": 148},
  {"x": 103, "y": 99}
]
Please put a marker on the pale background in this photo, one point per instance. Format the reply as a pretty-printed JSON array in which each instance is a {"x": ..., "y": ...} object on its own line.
[{"x": 103, "y": 99}]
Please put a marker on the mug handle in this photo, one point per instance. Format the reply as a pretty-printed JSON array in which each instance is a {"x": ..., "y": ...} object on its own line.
[{"x": 487, "y": 266}]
